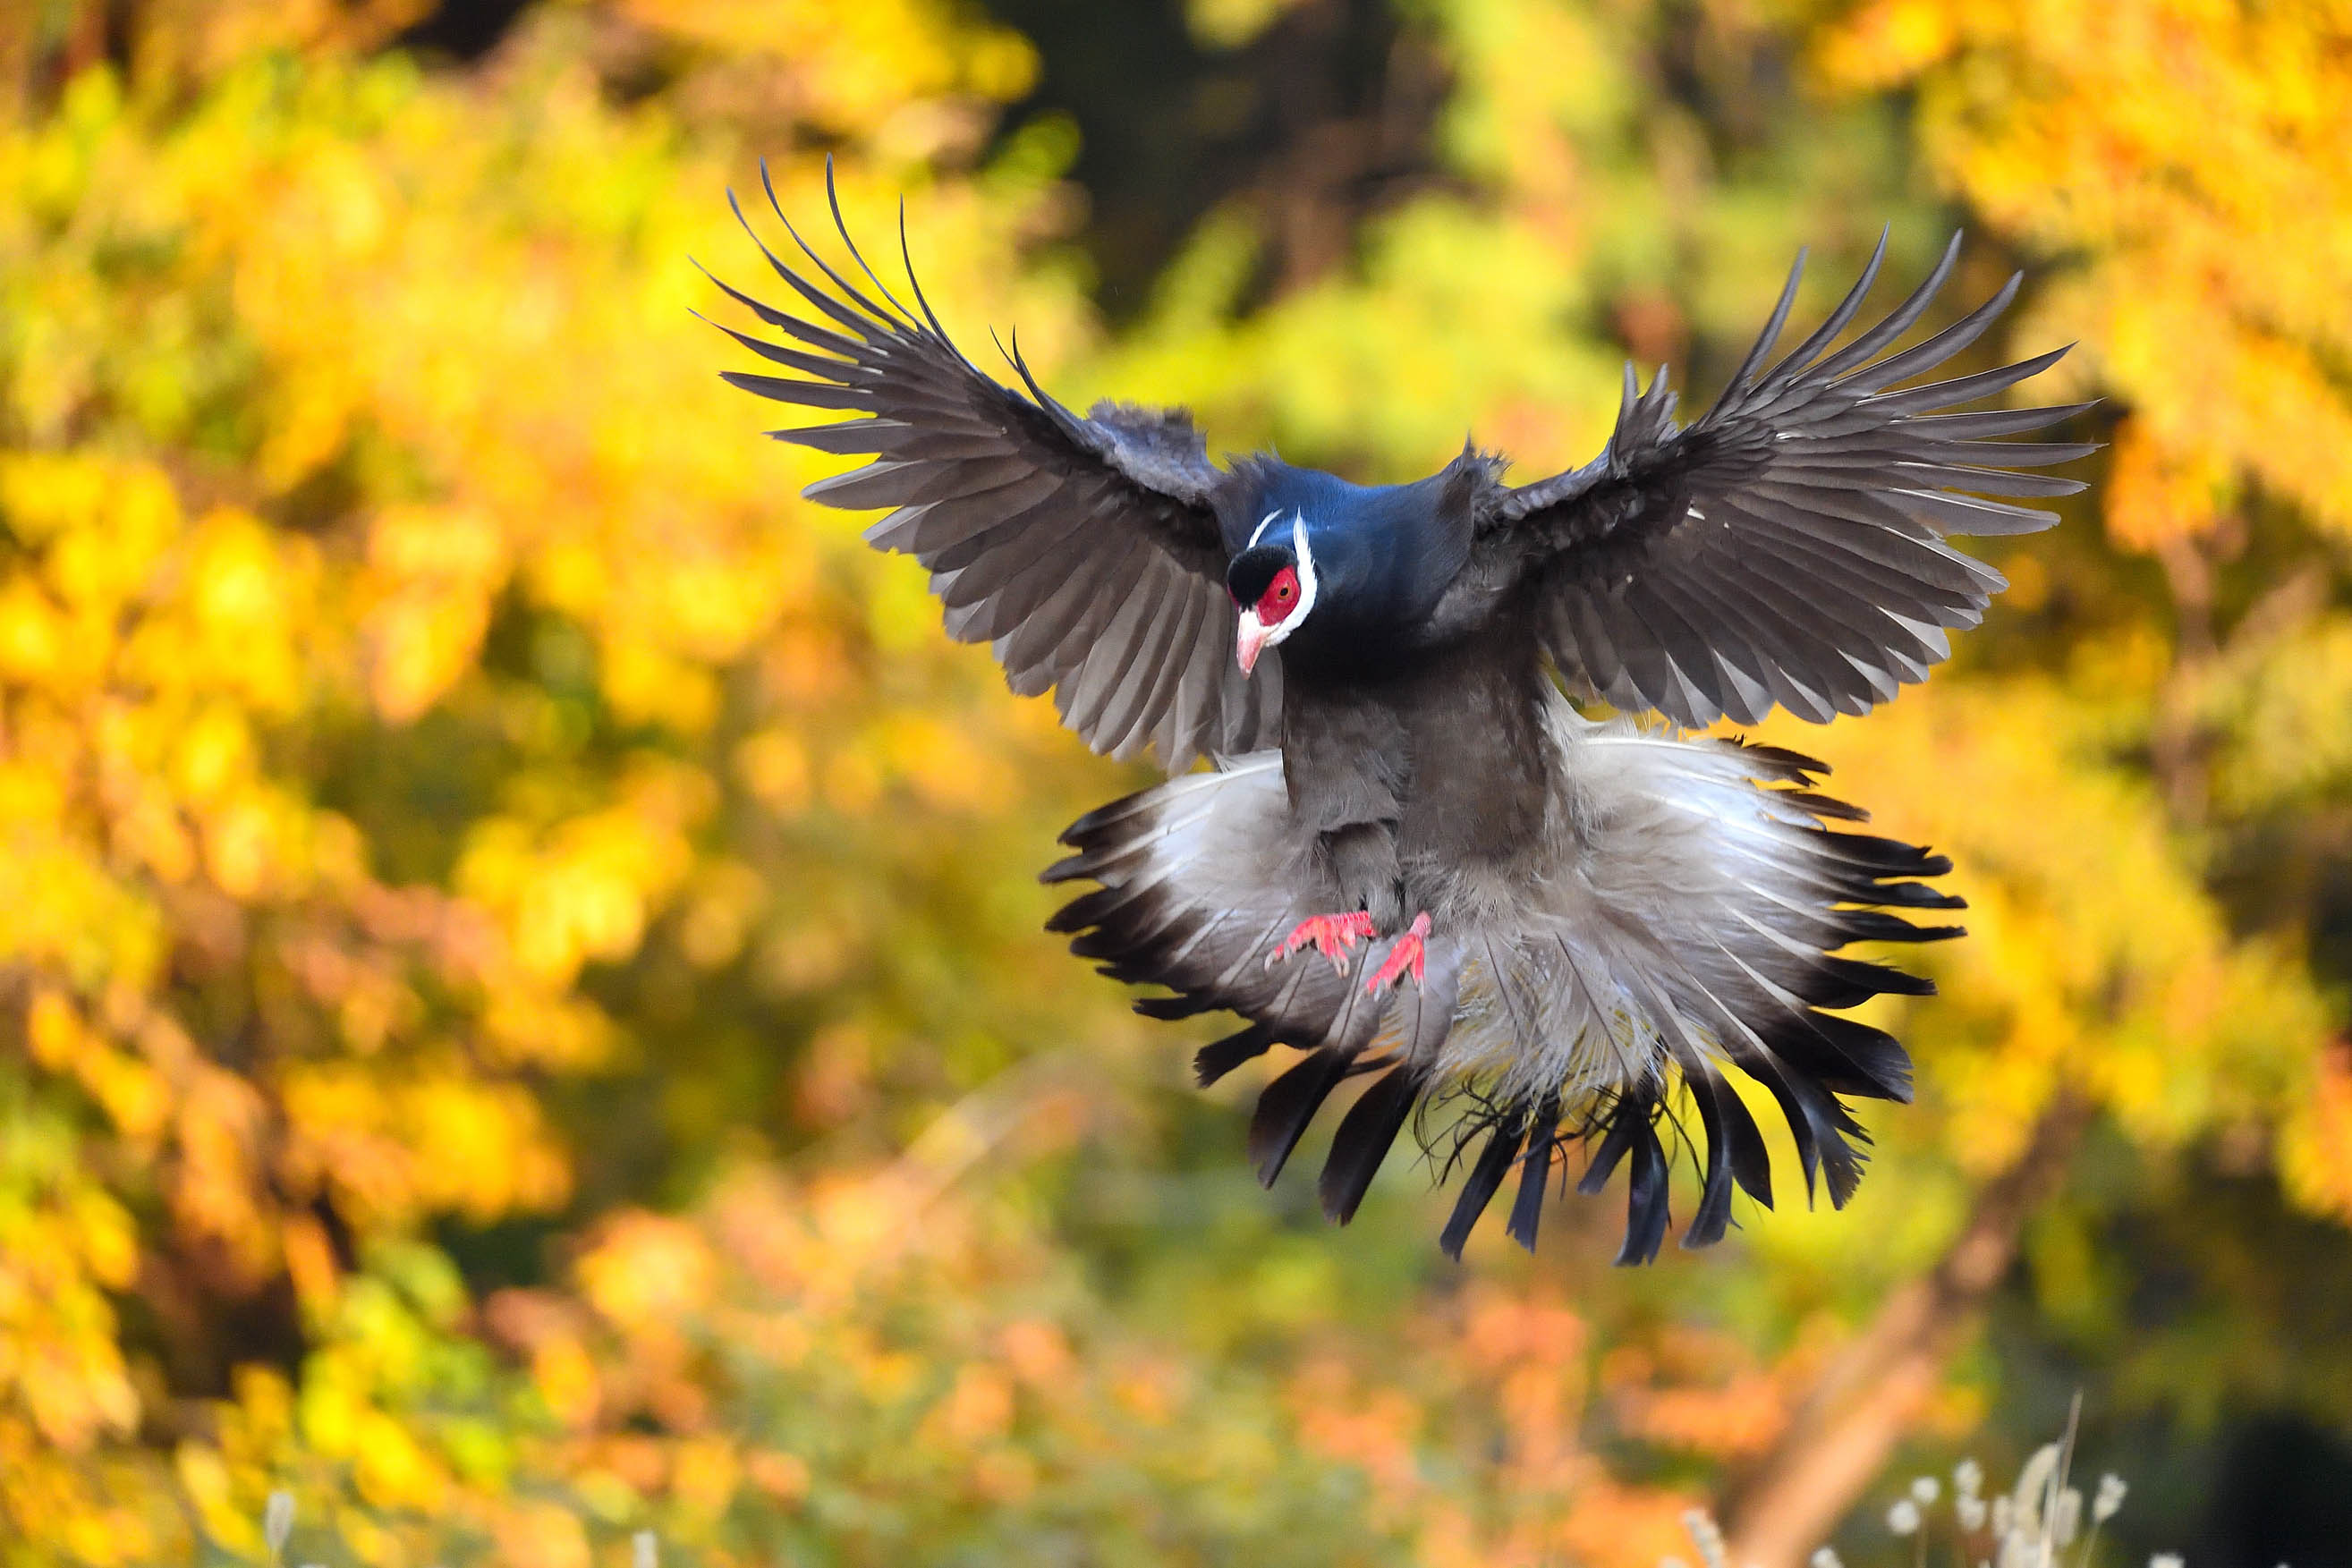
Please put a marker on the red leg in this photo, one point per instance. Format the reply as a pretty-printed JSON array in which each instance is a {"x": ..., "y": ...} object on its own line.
[
  {"x": 1410, "y": 952},
  {"x": 1332, "y": 935}
]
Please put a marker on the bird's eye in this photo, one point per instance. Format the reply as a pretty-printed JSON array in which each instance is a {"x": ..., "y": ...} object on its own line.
[{"x": 1281, "y": 597}]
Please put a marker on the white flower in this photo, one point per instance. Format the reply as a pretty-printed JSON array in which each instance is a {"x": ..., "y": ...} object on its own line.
[
  {"x": 1972, "y": 1512},
  {"x": 645, "y": 1552},
  {"x": 1903, "y": 1519},
  {"x": 2066, "y": 1518},
  {"x": 278, "y": 1520},
  {"x": 1705, "y": 1535},
  {"x": 1967, "y": 1477},
  {"x": 1825, "y": 1558},
  {"x": 2166, "y": 1560},
  {"x": 1924, "y": 1491},
  {"x": 2004, "y": 1516},
  {"x": 2033, "y": 1488},
  {"x": 2110, "y": 1498}
]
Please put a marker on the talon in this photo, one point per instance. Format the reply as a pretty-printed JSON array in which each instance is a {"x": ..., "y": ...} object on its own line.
[
  {"x": 1332, "y": 936},
  {"x": 1410, "y": 952}
]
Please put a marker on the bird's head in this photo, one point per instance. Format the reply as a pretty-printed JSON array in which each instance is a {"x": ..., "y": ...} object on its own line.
[
  {"x": 1274, "y": 584},
  {"x": 1346, "y": 575}
]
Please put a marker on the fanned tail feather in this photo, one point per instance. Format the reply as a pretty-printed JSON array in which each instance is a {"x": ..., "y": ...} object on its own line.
[{"x": 1697, "y": 893}]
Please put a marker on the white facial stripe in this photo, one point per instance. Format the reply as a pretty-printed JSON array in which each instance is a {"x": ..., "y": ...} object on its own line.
[
  {"x": 1306, "y": 554},
  {"x": 1260, "y": 527}
]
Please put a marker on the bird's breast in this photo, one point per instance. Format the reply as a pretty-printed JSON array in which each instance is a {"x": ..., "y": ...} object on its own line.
[{"x": 1446, "y": 744}]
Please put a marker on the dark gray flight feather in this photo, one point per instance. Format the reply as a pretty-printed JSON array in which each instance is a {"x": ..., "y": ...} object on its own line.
[
  {"x": 1787, "y": 547},
  {"x": 1084, "y": 551}
]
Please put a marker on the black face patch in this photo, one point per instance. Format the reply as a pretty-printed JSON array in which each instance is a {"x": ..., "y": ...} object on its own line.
[{"x": 1252, "y": 571}]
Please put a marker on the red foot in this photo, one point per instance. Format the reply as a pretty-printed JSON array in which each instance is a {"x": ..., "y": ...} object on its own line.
[
  {"x": 1410, "y": 952},
  {"x": 1332, "y": 936}
]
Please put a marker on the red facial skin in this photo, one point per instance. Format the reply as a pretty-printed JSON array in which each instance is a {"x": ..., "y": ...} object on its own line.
[
  {"x": 1276, "y": 604},
  {"x": 1280, "y": 598}
]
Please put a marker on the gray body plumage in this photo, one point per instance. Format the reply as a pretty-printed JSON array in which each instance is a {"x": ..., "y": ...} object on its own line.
[{"x": 1619, "y": 916}]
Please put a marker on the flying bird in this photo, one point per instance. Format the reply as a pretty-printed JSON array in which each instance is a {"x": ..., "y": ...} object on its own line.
[{"x": 1411, "y": 858}]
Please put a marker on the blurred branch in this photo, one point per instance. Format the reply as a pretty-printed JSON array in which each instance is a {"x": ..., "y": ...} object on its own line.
[
  {"x": 1848, "y": 1425},
  {"x": 976, "y": 1127}
]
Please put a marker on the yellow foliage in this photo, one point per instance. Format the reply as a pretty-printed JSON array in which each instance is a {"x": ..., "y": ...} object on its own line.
[
  {"x": 451, "y": 788},
  {"x": 2193, "y": 162}
]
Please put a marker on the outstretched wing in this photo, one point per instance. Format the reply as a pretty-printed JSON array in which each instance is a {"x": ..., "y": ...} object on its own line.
[
  {"x": 1084, "y": 551},
  {"x": 1789, "y": 547}
]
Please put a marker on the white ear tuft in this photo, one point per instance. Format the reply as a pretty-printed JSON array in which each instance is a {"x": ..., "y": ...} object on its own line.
[{"x": 1305, "y": 553}]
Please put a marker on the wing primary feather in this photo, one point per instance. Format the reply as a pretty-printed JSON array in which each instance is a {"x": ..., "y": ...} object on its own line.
[
  {"x": 1995, "y": 422},
  {"x": 1928, "y": 566},
  {"x": 776, "y": 353},
  {"x": 872, "y": 331},
  {"x": 1022, "y": 539},
  {"x": 2001, "y": 455},
  {"x": 1771, "y": 332},
  {"x": 1035, "y": 642},
  {"x": 807, "y": 395},
  {"x": 983, "y": 486},
  {"x": 816, "y": 336},
  {"x": 1835, "y": 602},
  {"x": 914, "y": 282},
  {"x": 1801, "y": 356},
  {"x": 1924, "y": 355},
  {"x": 1987, "y": 481},
  {"x": 1898, "y": 320},
  {"x": 1933, "y": 581},
  {"x": 1964, "y": 389},
  {"x": 855, "y": 295},
  {"x": 1967, "y": 515},
  {"x": 1041, "y": 638},
  {"x": 848, "y": 438},
  {"x": 840, "y": 228}
]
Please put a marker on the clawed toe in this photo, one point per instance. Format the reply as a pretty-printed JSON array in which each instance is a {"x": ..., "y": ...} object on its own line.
[
  {"x": 1330, "y": 935},
  {"x": 1410, "y": 953}
]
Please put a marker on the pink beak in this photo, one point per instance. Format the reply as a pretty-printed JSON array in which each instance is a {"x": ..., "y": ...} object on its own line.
[{"x": 1251, "y": 642}]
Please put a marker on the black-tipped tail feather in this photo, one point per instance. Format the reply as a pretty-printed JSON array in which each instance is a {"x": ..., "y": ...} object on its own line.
[{"x": 1195, "y": 888}]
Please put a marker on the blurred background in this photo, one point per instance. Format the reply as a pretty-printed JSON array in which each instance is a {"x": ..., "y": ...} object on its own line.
[{"x": 523, "y": 1017}]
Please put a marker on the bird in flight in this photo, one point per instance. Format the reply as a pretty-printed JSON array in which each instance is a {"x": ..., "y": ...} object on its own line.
[{"x": 1411, "y": 858}]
